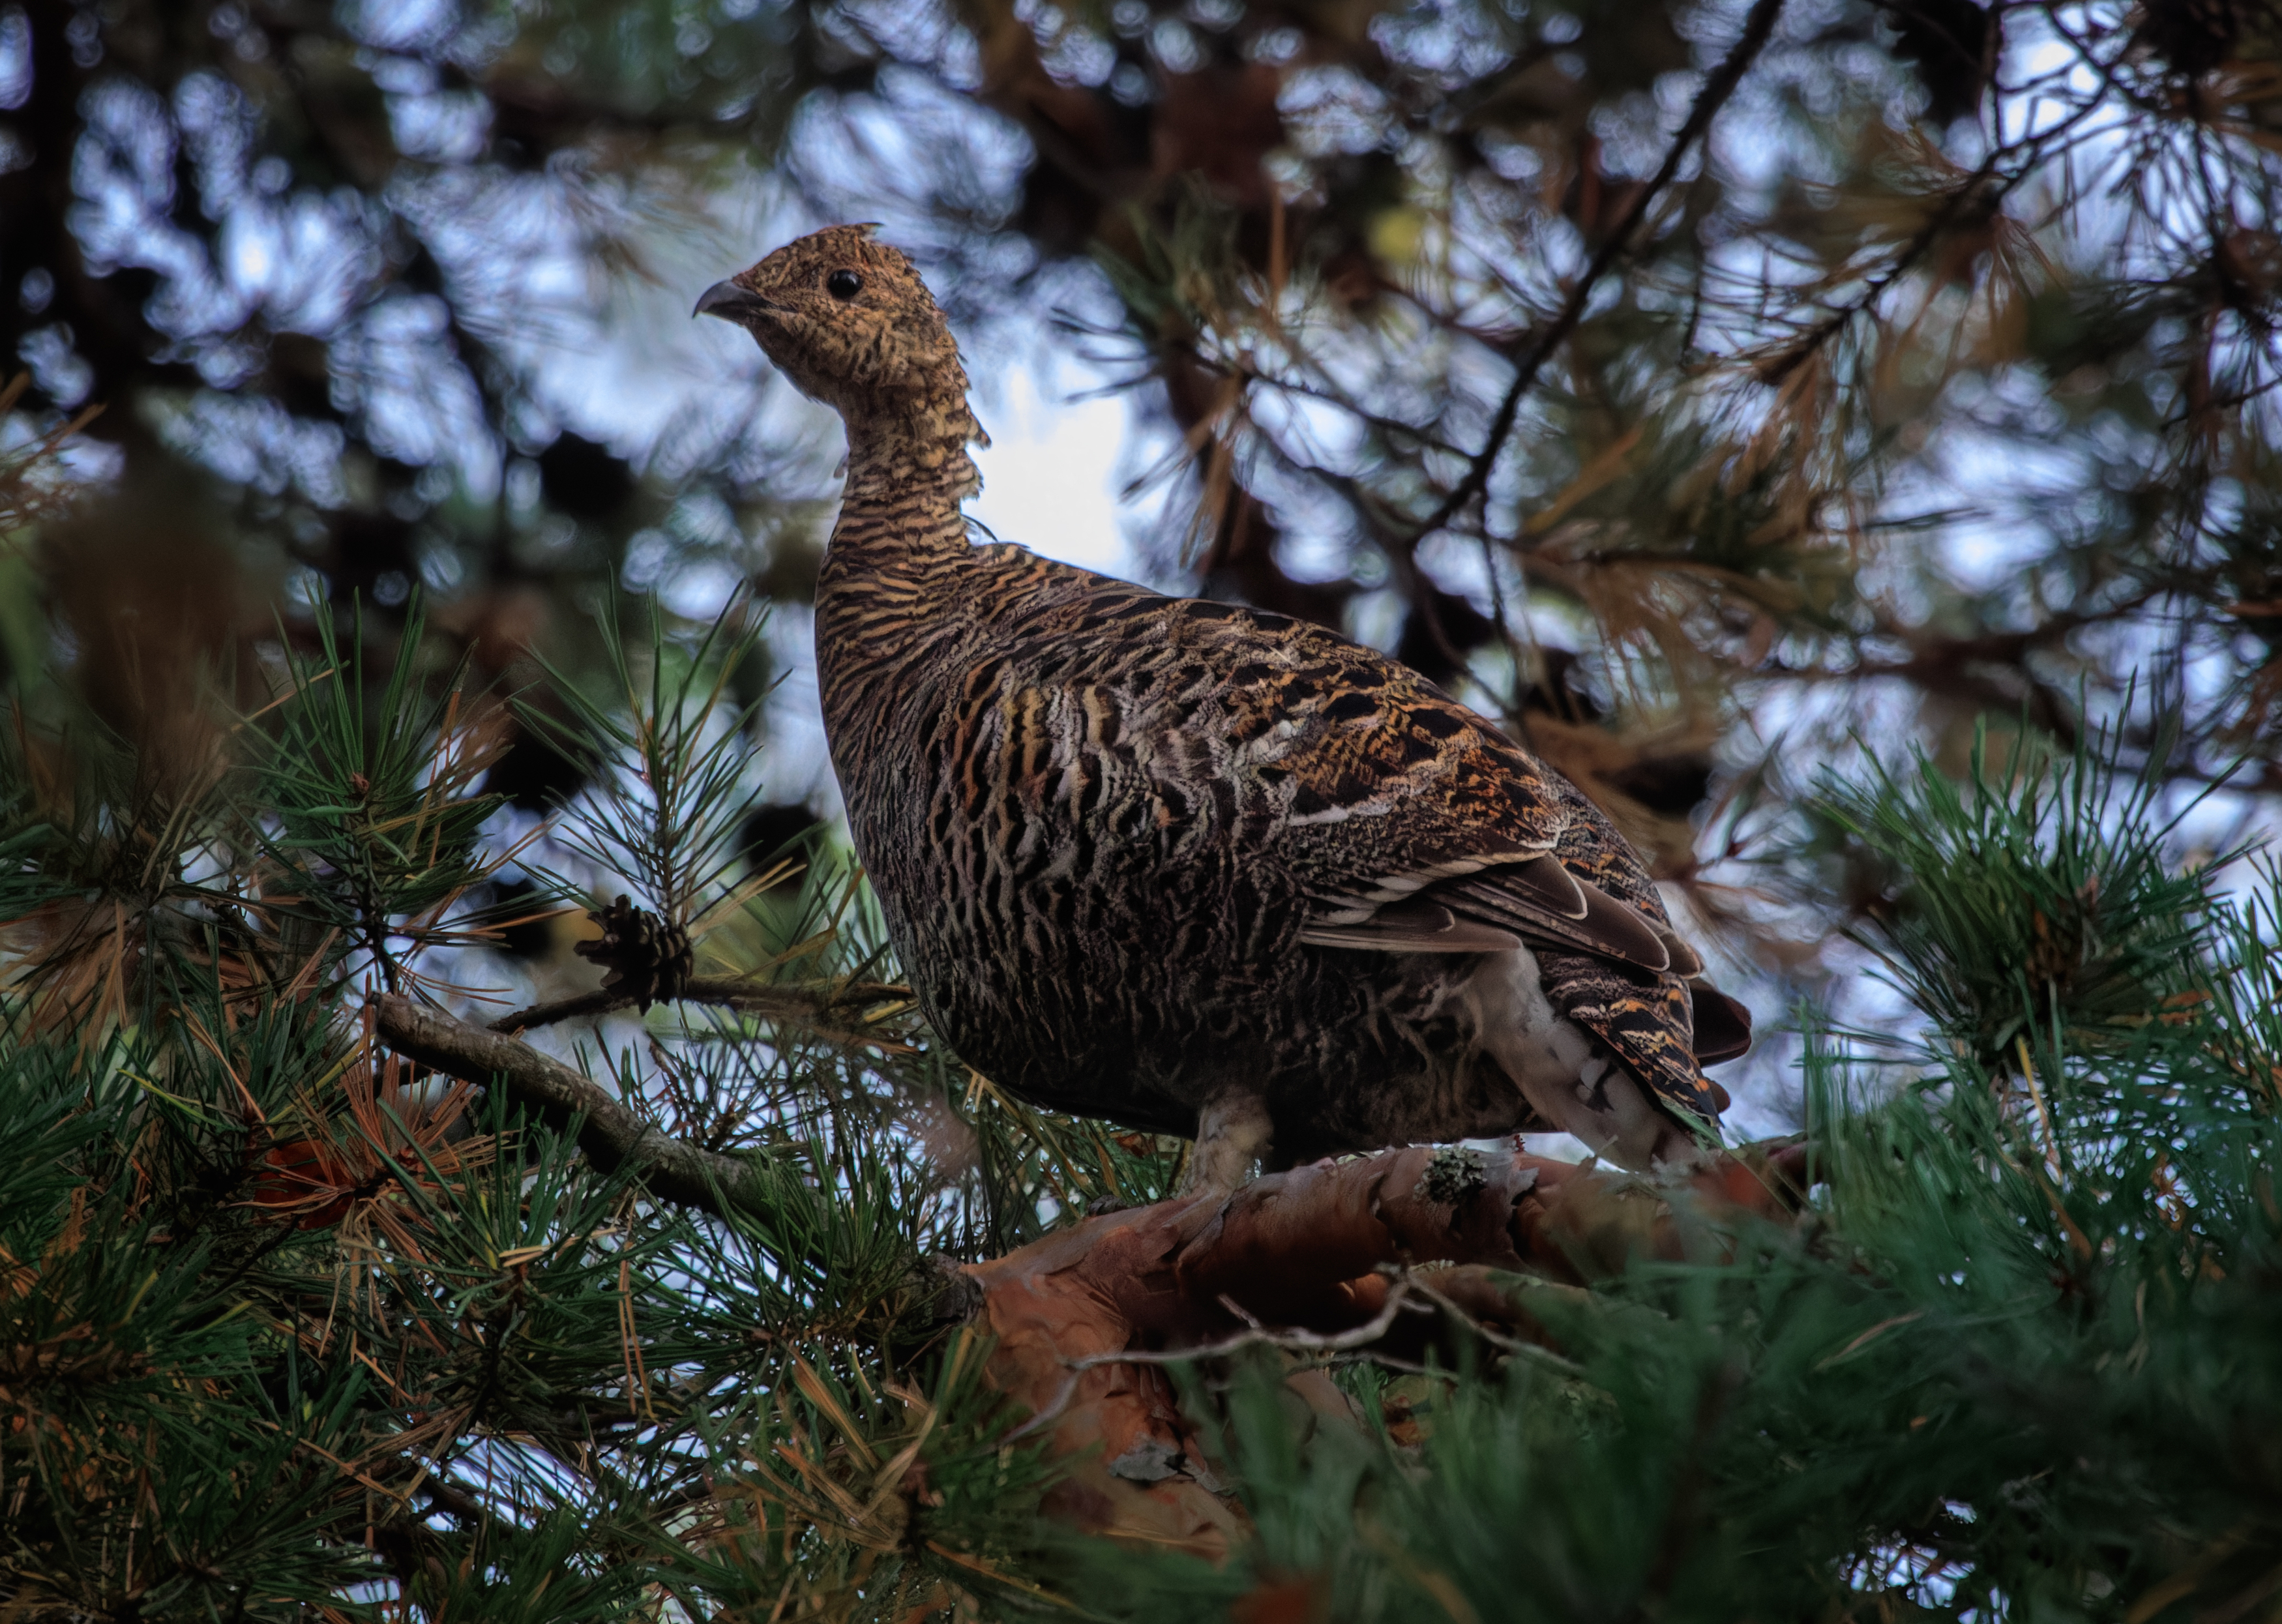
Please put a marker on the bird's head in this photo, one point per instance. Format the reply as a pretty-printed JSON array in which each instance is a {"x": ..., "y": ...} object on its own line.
[{"x": 848, "y": 320}]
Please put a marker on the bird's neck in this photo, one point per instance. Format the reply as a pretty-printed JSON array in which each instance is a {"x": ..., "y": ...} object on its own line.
[
  {"x": 908, "y": 471},
  {"x": 889, "y": 590}
]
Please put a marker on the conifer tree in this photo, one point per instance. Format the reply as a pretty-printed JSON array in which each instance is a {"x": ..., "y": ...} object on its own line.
[
  {"x": 321, "y": 1302},
  {"x": 1701, "y": 390}
]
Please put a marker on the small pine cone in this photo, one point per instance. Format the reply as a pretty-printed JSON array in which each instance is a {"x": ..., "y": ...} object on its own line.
[{"x": 647, "y": 958}]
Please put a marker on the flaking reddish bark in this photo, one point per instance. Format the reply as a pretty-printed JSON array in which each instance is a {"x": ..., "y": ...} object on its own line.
[{"x": 1304, "y": 1251}]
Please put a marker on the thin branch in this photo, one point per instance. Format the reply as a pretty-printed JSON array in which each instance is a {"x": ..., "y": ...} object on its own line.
[
  {"x": 1257, "y": 1336},
  {"x": 611, "y": 1134},
  {"x": 1295, "y": 1340},
  {"x": 1975, "y": 191},
  {"x": 601, "y": 1001},
  {"x": 801, "y": 1001},
  {"x": 1757, "y": 29},
  {"x": 1518, "y": 1346}
]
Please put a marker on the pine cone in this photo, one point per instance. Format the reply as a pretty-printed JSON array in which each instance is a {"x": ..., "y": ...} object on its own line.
[{"x": 647, "y": 958}]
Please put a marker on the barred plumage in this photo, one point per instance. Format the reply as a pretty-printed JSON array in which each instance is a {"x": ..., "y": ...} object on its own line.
[{"x": 1146, "y": 857}]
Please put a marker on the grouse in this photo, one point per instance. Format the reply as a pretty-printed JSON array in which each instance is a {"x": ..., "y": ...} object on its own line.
[{"x": 1187, "y": 866}]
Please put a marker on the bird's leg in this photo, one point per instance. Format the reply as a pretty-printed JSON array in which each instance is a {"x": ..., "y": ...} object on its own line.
[
  {"x": 1233, "y": 1131},
  {"x": 1612, "y": 1114}
]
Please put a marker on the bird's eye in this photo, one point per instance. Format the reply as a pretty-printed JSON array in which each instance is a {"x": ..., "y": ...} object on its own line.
[{"x": 844, "y": 285}]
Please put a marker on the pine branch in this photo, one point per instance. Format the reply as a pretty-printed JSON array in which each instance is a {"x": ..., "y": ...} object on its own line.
[
  {"x": 611, "y": 1134},
  {"x": 931, "y": 1294},
  {"x": 1758, "y": 28},
  {"x": 810, "y": 1001}
]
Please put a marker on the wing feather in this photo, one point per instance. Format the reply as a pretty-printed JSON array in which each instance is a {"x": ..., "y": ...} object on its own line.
[
  {"x": 1686, "y": 961},
  {"x": 1608, "y": 929},
  {"x": 1413, "y": 926},
  {"x": 1723, "y": 1025},
  {"x": 1532, "y": 899},
  {"x": 1406, "y": 822}
]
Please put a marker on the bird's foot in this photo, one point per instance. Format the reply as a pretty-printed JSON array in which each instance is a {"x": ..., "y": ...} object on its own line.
[{"x": 1233, "y": 1133}]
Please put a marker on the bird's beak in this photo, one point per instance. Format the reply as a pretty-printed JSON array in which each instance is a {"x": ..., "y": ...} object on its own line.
[{"x": 732, "y": 303}]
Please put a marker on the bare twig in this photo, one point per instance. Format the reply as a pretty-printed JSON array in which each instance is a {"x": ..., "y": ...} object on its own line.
[
  {"x": 1521, "y": 1347},
  {"x": 802, "y": 1001},
  {"x": 601, "y": 1001},
  {"x": 1257, "y": 1336},
  {"x": 1295, "y": 1340}
]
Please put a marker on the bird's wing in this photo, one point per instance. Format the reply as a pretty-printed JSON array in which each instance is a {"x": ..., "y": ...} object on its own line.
[
  {"x": 1408, "y": 822},
  {"x": 1647, "y": 1022},
  {"x": 1535, "y": 898},
  {"x": 1606, "y": 952}
]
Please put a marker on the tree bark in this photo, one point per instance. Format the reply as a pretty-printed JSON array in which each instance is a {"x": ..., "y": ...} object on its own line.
[{"x": 1312, "y": 1260}]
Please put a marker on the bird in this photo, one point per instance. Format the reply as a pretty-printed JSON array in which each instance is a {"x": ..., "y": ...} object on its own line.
[{"x": 1187, "y": 866}]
